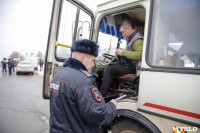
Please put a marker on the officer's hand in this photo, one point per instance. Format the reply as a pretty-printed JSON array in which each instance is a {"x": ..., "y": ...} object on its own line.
[{"x": 113, "y": 101}]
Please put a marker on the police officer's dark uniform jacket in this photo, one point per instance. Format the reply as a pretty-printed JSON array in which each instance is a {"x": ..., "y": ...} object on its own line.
[{"x": 76, "y": 106}]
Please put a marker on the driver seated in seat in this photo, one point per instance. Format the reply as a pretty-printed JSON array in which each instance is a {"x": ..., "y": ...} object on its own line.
[{"x": 132, "y": 54}]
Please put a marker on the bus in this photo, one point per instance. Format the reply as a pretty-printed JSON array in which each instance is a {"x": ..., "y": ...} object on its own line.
[{"x": 163, "y": 97}]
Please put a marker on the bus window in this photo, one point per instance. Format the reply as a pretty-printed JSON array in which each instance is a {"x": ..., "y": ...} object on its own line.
[
  {"x": 107, "y": 43},
  {"x": 74, "y": 24},
  {"x": 176, "y": 34}
]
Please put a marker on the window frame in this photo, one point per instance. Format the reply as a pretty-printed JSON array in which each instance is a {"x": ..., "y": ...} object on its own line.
[
  {"x": 156, "y": 68},
  {"x": 81, "y": 7},
  {"x": 116, "y": 13}
]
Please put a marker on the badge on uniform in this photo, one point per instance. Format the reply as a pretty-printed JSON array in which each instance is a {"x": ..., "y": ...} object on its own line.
[
  {"x": 96, "y": 94},
  {"x": 55, "y": 87}
]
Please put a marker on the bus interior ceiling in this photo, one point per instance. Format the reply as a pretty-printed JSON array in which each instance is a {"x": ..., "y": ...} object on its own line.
[{"x": 137, "y": 14}]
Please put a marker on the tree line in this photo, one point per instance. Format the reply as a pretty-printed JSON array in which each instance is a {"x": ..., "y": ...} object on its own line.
[{"x": 16, "y": 54}]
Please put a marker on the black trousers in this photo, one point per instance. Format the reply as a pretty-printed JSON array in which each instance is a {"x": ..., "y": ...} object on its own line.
[
  {"x": 13, "y": 68},
  {"x": 4, "y": 68},
  {"x": 10, "y": 70},
  {"x": 110, "y": 72}
]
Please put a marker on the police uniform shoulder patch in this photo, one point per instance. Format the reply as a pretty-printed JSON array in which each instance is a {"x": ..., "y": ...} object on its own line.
[{"x": 96, "y": 94}]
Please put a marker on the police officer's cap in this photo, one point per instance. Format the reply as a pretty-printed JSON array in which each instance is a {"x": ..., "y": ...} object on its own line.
[{"x": 85, "y": 46}]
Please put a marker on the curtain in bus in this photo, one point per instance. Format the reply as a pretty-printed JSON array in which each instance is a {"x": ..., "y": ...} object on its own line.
[{"x": 111, "y": 29}]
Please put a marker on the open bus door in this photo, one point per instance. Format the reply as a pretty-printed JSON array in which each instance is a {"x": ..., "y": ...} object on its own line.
[{"x": 70, "y": 21}]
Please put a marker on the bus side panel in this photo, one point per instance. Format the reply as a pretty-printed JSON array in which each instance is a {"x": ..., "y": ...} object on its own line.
[{"x": 170, "y": 94}]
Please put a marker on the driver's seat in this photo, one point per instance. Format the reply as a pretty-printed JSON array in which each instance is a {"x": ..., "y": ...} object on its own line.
[{"x": 130, "y": 81}]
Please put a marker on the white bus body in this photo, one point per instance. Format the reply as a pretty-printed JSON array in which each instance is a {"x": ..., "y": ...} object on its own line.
[{"x": 169, "y": 88}]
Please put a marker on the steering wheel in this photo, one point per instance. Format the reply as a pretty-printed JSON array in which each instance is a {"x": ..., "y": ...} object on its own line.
[{"x": 111, "y": 57}]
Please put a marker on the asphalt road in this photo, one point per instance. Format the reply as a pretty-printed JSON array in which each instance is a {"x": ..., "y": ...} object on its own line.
[{"x": 22, "y": 108}]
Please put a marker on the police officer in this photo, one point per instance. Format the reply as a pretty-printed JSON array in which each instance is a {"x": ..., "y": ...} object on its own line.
[
  {"x": 76, "y": 105},
  {"x": 4, "y": 62},
  {"x": 9, "y": 66},
  {"x": 12, "y": 65}
]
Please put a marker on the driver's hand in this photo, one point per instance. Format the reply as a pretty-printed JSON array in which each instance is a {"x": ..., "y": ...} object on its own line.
[{"x": 119, "y": 51}]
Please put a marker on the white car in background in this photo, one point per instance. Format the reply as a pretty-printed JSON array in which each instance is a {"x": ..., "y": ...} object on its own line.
[{"x": 24, "y": 67}]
